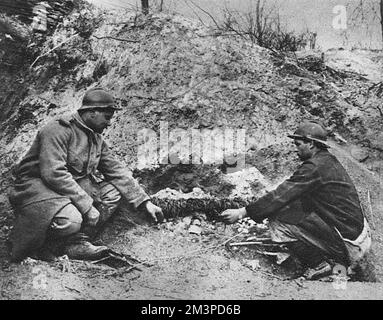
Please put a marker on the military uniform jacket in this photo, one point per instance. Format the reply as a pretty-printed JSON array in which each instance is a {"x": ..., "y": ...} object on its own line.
[
  {"x": 64, "y": 154},
  {"x": 320, "y": 186}
]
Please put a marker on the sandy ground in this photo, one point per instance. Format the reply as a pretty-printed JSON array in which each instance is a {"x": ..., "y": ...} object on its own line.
[{"x": 181, "y": 266}]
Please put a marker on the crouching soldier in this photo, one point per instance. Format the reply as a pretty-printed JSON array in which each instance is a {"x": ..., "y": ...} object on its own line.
[
  {"x": 316, "y": 211},
  {"x": 59, "y": 201}
]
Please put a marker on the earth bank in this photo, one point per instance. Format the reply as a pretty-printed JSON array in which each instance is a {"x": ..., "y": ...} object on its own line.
[{"x": 167, "y": 69}]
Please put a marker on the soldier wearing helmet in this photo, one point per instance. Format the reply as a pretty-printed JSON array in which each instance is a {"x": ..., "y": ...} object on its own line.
[
  {"x": 316, "y": 213},
  {"x": 60, "y": 200}
]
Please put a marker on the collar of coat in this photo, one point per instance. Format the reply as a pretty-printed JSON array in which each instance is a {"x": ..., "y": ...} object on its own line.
[{"x": 76, "y": 118}]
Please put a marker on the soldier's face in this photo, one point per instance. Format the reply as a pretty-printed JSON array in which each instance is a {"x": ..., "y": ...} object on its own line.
[
  {"x": 304, "y": 149},
  {"x": 100, "y": 120}
]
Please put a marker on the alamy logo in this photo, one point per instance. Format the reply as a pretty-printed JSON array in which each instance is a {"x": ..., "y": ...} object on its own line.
[
  {"x": 340, "y": 20},
  {"x": 194, "y": 146},
  {"x": 40, "y": 17}
]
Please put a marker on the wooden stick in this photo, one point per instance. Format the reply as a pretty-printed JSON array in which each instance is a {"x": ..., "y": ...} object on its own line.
[
  {"x": 267, "y": 253},
  {"x": 247, "y": 243},
  {"x": 258, "y": 239},
  {"x": 120, "y": 272},
  {"x": 72, "y": 289},
  {"x": 115, "y": 38},
  {"x": 98, "y": 261},
  {"x": 54, "y": 48}
]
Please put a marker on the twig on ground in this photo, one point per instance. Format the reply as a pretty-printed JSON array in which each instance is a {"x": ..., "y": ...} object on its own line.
[
  {"x": 258, "y": 239},
  {"x": 72, "y": 289},
  {"x": 249, "y": 243},
  {"x": 297, "y": 282},
  {"x": 120, "y": 272},
  {"x": 115, "y": 38},
  {"x": 237, "y": 235},
  {"x": 380, "y": 111},
  {"x": 266, "y": 253},
  {"x": 54, "y": 48},
  {"x": 190, "y": 254},
  {"x": 150, "y": 98},
  {"x": 100, "y": 260}
]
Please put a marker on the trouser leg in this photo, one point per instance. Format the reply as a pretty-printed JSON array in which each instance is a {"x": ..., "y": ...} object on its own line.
[
  {"x": 69, "y": 229},
  {"x": 110, "y": 199},
  {"x": 284, "y": 233},
  {"x": 66, "y": 222},
  {"x": 69, "y": 221},
  {"x": 79, "y": 246},
  {"x": 307, "y": 254},
  {"x": 308, "y": 247}
]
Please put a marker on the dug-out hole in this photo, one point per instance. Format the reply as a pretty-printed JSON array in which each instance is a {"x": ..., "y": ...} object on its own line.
[{"x": 184, "y": 178}]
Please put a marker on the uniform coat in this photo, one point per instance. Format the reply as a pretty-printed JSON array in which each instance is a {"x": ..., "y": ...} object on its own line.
[
  {"x": 58, "y": 169},
  {"x": 319, "y": 201}
]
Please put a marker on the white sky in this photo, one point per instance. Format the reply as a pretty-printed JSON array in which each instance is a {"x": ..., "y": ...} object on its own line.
[{"x": 315, "y": 15}]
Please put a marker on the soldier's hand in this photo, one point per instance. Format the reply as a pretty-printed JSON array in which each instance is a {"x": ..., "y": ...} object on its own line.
[
  {"x": 233, "y": 215},
  {"x": 92, "y": 216},
  {"x": 154, "y": 211}
]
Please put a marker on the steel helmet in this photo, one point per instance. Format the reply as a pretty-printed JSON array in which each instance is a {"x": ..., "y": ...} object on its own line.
[
  {"x": 98, "y": 98},
  {"x": 310, "y": 130}
]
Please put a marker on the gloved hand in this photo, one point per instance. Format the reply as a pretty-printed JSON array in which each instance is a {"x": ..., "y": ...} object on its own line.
[
  {"x": 233, "y": 215},
  {"x": 92, "y": 216}
]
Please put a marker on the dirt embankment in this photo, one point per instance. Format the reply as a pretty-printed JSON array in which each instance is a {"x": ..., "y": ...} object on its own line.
[{"x": 170, "y": 71}]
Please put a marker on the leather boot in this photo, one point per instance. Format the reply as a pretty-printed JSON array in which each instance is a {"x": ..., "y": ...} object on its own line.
[{"x": 80, "y": 248}]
